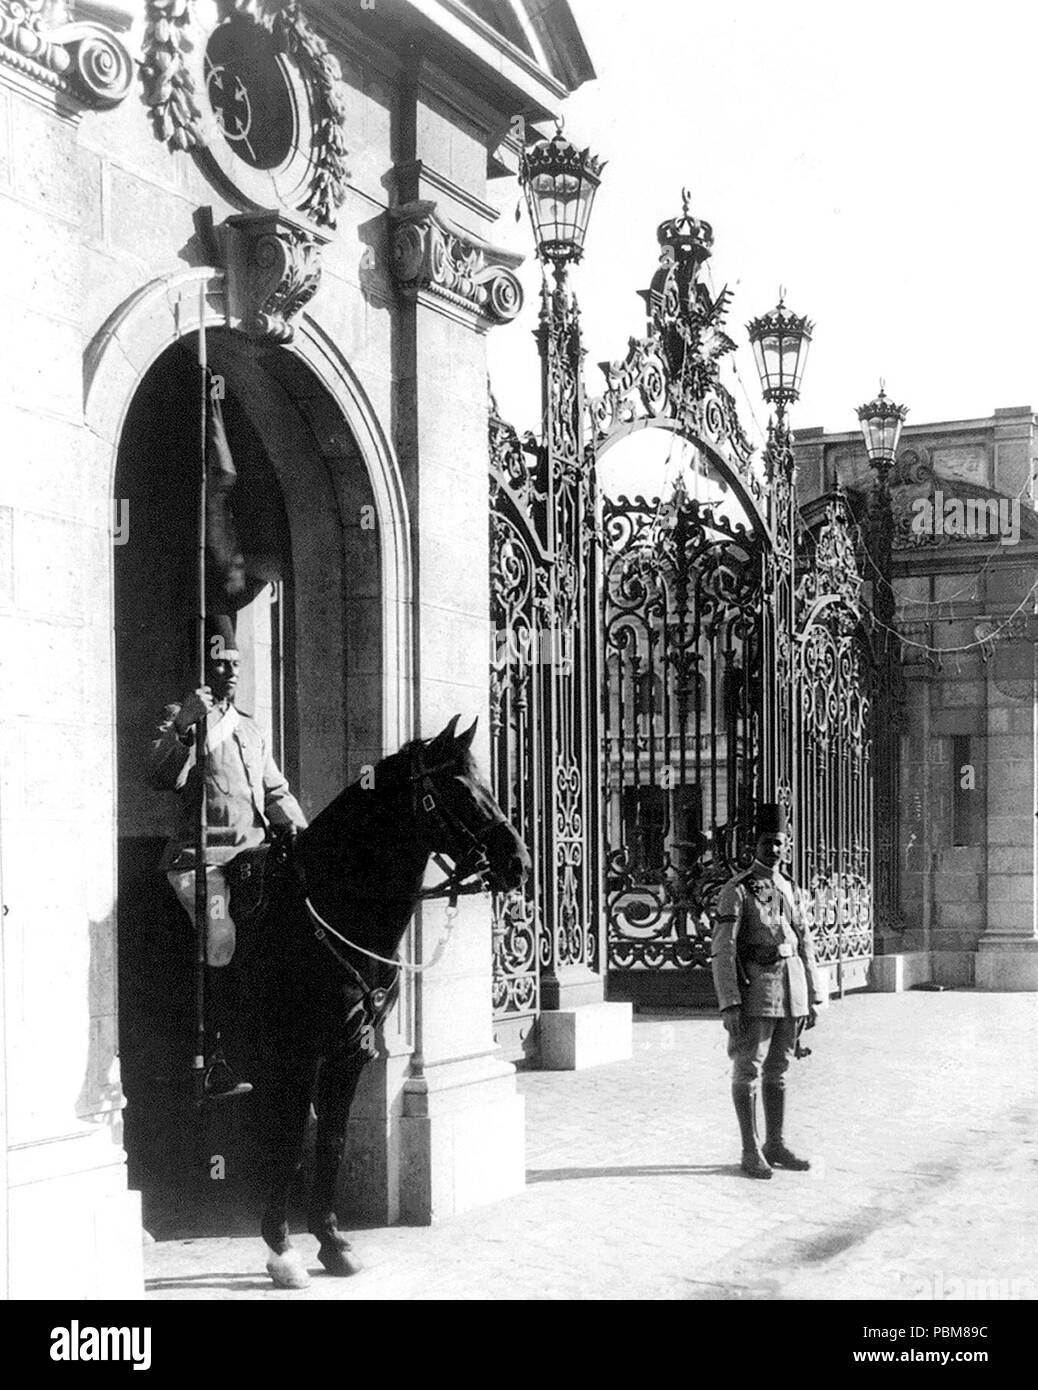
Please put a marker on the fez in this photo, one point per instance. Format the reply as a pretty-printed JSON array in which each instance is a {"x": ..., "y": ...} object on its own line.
[
  {"x": 219, "y": 635},
  {"x": 771, "y": 819}
]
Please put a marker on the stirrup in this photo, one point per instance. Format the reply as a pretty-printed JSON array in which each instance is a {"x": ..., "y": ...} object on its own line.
[{"x": 220, "y": 1082}]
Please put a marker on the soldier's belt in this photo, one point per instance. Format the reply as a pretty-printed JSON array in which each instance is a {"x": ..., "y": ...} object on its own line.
[{"x": 768, "y": 953}]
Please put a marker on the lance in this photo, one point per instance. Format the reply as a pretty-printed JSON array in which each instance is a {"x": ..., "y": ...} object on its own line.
[{"x": 201, "y": 884}]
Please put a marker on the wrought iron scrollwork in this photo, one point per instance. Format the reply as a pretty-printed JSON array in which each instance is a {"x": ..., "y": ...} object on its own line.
[
  {"x": 835, "y": 699},
  {"x": 683, "y": 643}
]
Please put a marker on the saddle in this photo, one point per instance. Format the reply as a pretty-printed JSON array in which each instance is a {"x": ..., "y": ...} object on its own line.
[{"x": 251, "y": 873}]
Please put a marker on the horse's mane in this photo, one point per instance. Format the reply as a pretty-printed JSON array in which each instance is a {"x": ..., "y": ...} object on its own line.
[{"x": 328, "y": 823}]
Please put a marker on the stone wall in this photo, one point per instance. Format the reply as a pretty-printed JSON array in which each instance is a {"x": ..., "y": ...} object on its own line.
[{"x": 112, "y": 255}]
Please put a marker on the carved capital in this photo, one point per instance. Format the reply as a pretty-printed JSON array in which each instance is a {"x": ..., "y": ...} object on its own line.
[
  {"x": 431, "y": 254},
  {"x": 273, "y": 266},
  {"x": 86, "y": 61}
]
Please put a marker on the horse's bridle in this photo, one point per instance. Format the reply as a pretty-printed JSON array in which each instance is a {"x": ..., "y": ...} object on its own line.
[
  {"x": 468, "y": 875},
  {"x": 471, "y": 868}
]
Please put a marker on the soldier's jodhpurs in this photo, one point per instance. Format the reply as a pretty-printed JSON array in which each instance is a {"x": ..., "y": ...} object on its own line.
[{"x": 764, "y": 1046}]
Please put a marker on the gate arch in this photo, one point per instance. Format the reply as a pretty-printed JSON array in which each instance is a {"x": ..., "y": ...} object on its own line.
[{"x": 684, "y": 603}]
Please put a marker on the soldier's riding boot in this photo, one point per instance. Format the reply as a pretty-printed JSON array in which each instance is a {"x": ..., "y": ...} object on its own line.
[
  {"x": 775, "y": 1150},
  {"x": 745, "y": 1100},
  {"x": 221, "y": 1081}
]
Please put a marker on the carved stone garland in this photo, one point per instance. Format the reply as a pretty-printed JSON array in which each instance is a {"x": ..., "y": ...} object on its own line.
[{"x": 169, "y": 89}]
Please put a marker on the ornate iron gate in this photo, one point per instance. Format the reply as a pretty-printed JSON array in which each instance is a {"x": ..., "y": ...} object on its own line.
[
  {"x": 683, "y": 628},
  {"x": 659, "y": 667},
  {"x": 834, "y": 687},
  {"x": 545, "y": 717},
  {"x": 519, "y": 575}
]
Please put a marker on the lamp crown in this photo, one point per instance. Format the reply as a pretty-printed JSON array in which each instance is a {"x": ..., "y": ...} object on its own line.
[
  {"x": 559, "y": 155},
  {"x": 685, "y": 238},
  {"x": 782, "y": 321}
]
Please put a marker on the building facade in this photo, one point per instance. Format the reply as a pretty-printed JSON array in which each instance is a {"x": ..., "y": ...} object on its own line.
[
  {"x": 964, "y": 574},
  {"x": 309, "y": 184}
]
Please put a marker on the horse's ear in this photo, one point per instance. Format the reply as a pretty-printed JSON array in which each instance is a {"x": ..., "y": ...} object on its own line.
[
  {"x": 464, "y": 741},
  {"x": 446, "y": 738}
]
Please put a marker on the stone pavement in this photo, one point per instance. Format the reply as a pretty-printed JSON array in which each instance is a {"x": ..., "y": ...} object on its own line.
[{"x": 919, "y": 1110}]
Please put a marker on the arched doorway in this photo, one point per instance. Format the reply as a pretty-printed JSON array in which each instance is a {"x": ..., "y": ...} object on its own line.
[{"x": 312, "y": 644}]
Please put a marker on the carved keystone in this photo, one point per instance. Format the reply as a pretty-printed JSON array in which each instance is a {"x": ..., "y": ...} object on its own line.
[{"x": 273, "y": 267}]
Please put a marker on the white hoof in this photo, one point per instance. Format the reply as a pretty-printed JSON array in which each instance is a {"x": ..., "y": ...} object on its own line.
[{"x": 288, "y": 1270}]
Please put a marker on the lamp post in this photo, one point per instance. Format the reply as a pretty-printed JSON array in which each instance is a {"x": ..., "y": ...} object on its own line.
[
  {"x": 560, "y": 182},
  {"x": 780, "y": 341},
  {"x": 881, "y": 420}
]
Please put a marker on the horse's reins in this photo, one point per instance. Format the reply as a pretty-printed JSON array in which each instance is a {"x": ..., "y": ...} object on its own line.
[{"x": 461, "y": 879}]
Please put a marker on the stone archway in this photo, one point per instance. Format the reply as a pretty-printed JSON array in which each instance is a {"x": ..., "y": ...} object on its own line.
[{"x": 327, "y": 458}]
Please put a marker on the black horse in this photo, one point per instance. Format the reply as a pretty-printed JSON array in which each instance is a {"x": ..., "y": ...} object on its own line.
[{"x": 348, "y": 887}]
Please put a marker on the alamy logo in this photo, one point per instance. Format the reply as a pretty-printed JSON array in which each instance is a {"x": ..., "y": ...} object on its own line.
[
  {"x": 76, "y": 1343},
  {"x": 977, "y": 518}
]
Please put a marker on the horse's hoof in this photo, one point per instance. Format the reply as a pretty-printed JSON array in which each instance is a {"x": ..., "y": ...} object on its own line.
[
  {"x": 341, "y": 1263},
  {"x": 287, "y": 1270}
]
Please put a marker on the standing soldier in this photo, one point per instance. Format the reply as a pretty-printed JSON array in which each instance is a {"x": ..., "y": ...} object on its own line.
[{"x": 768, "y": 989}]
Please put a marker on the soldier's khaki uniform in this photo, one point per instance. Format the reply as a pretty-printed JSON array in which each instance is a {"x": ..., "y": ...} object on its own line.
[
  {"x": 245, "y": 792},
  {"x": 763, "y": 959}
]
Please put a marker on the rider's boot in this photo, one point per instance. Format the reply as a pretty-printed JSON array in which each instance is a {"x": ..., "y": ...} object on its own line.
[{"x": 221, "y": 1080}]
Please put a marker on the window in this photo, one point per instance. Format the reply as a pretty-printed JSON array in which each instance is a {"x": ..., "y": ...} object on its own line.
[{"x": 968, "y": 808}]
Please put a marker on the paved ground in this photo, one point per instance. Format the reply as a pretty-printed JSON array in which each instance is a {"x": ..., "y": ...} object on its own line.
[{"x": 920, "y": 1111}]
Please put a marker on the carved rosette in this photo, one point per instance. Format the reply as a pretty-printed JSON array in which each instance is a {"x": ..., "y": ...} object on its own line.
[
  {"x": 85, "y": 61},
  {"x": 430, "y": 255},
  {"x": 273, "y": 269}
]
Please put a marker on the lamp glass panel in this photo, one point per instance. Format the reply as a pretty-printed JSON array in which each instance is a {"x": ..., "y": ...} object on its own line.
[
  {"x": 805, "y": 344},
  {"x": 771, "y": 348}
]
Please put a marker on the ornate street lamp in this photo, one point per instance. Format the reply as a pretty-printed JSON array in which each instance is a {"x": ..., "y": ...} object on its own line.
[
  {"x": 560, "y": 183},
  {"x": 881, "y": 422},
  {"x": 780, "y": 342}
]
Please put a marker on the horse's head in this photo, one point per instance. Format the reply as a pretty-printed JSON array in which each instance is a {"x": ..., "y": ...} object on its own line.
[{"x": 458, "y": 813}]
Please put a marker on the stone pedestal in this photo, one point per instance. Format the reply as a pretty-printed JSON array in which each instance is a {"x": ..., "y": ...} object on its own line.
[
  {"x": 462, "y": 1137},
  {"x": 571, "y": 1039},
  {"x": 1007, "y": 964},
  {"x": 894, "y": 973},
  {"x": 77, "y": 1185}
]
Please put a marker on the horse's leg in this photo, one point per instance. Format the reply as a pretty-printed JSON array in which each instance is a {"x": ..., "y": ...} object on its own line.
[
  {"x": 336, "y": 1087},
  {"x": 291, "y": 1109}
]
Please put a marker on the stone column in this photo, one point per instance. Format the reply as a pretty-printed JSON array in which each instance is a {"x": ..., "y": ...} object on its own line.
[
  {"x": 1007, "y": 954},
  {"x": 73, "y": 1228},
  {"x": 462, "y": 1127}
]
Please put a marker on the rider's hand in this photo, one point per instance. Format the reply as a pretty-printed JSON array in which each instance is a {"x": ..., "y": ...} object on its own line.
[
  {"x": 812, "y": 1016},
  {"x": 195, "y": 707},
  {"x": 732, "y": 1020}
]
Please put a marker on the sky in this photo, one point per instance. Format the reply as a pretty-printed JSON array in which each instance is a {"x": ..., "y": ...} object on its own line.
[{"x": 877, "y": 161}]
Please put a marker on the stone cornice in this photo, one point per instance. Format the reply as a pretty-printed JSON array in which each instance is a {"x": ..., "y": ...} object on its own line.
[
  {"x": 411, "y": 174},
  {"x": 84, "y": 61},
  {"x": 434, "y": 259}
]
